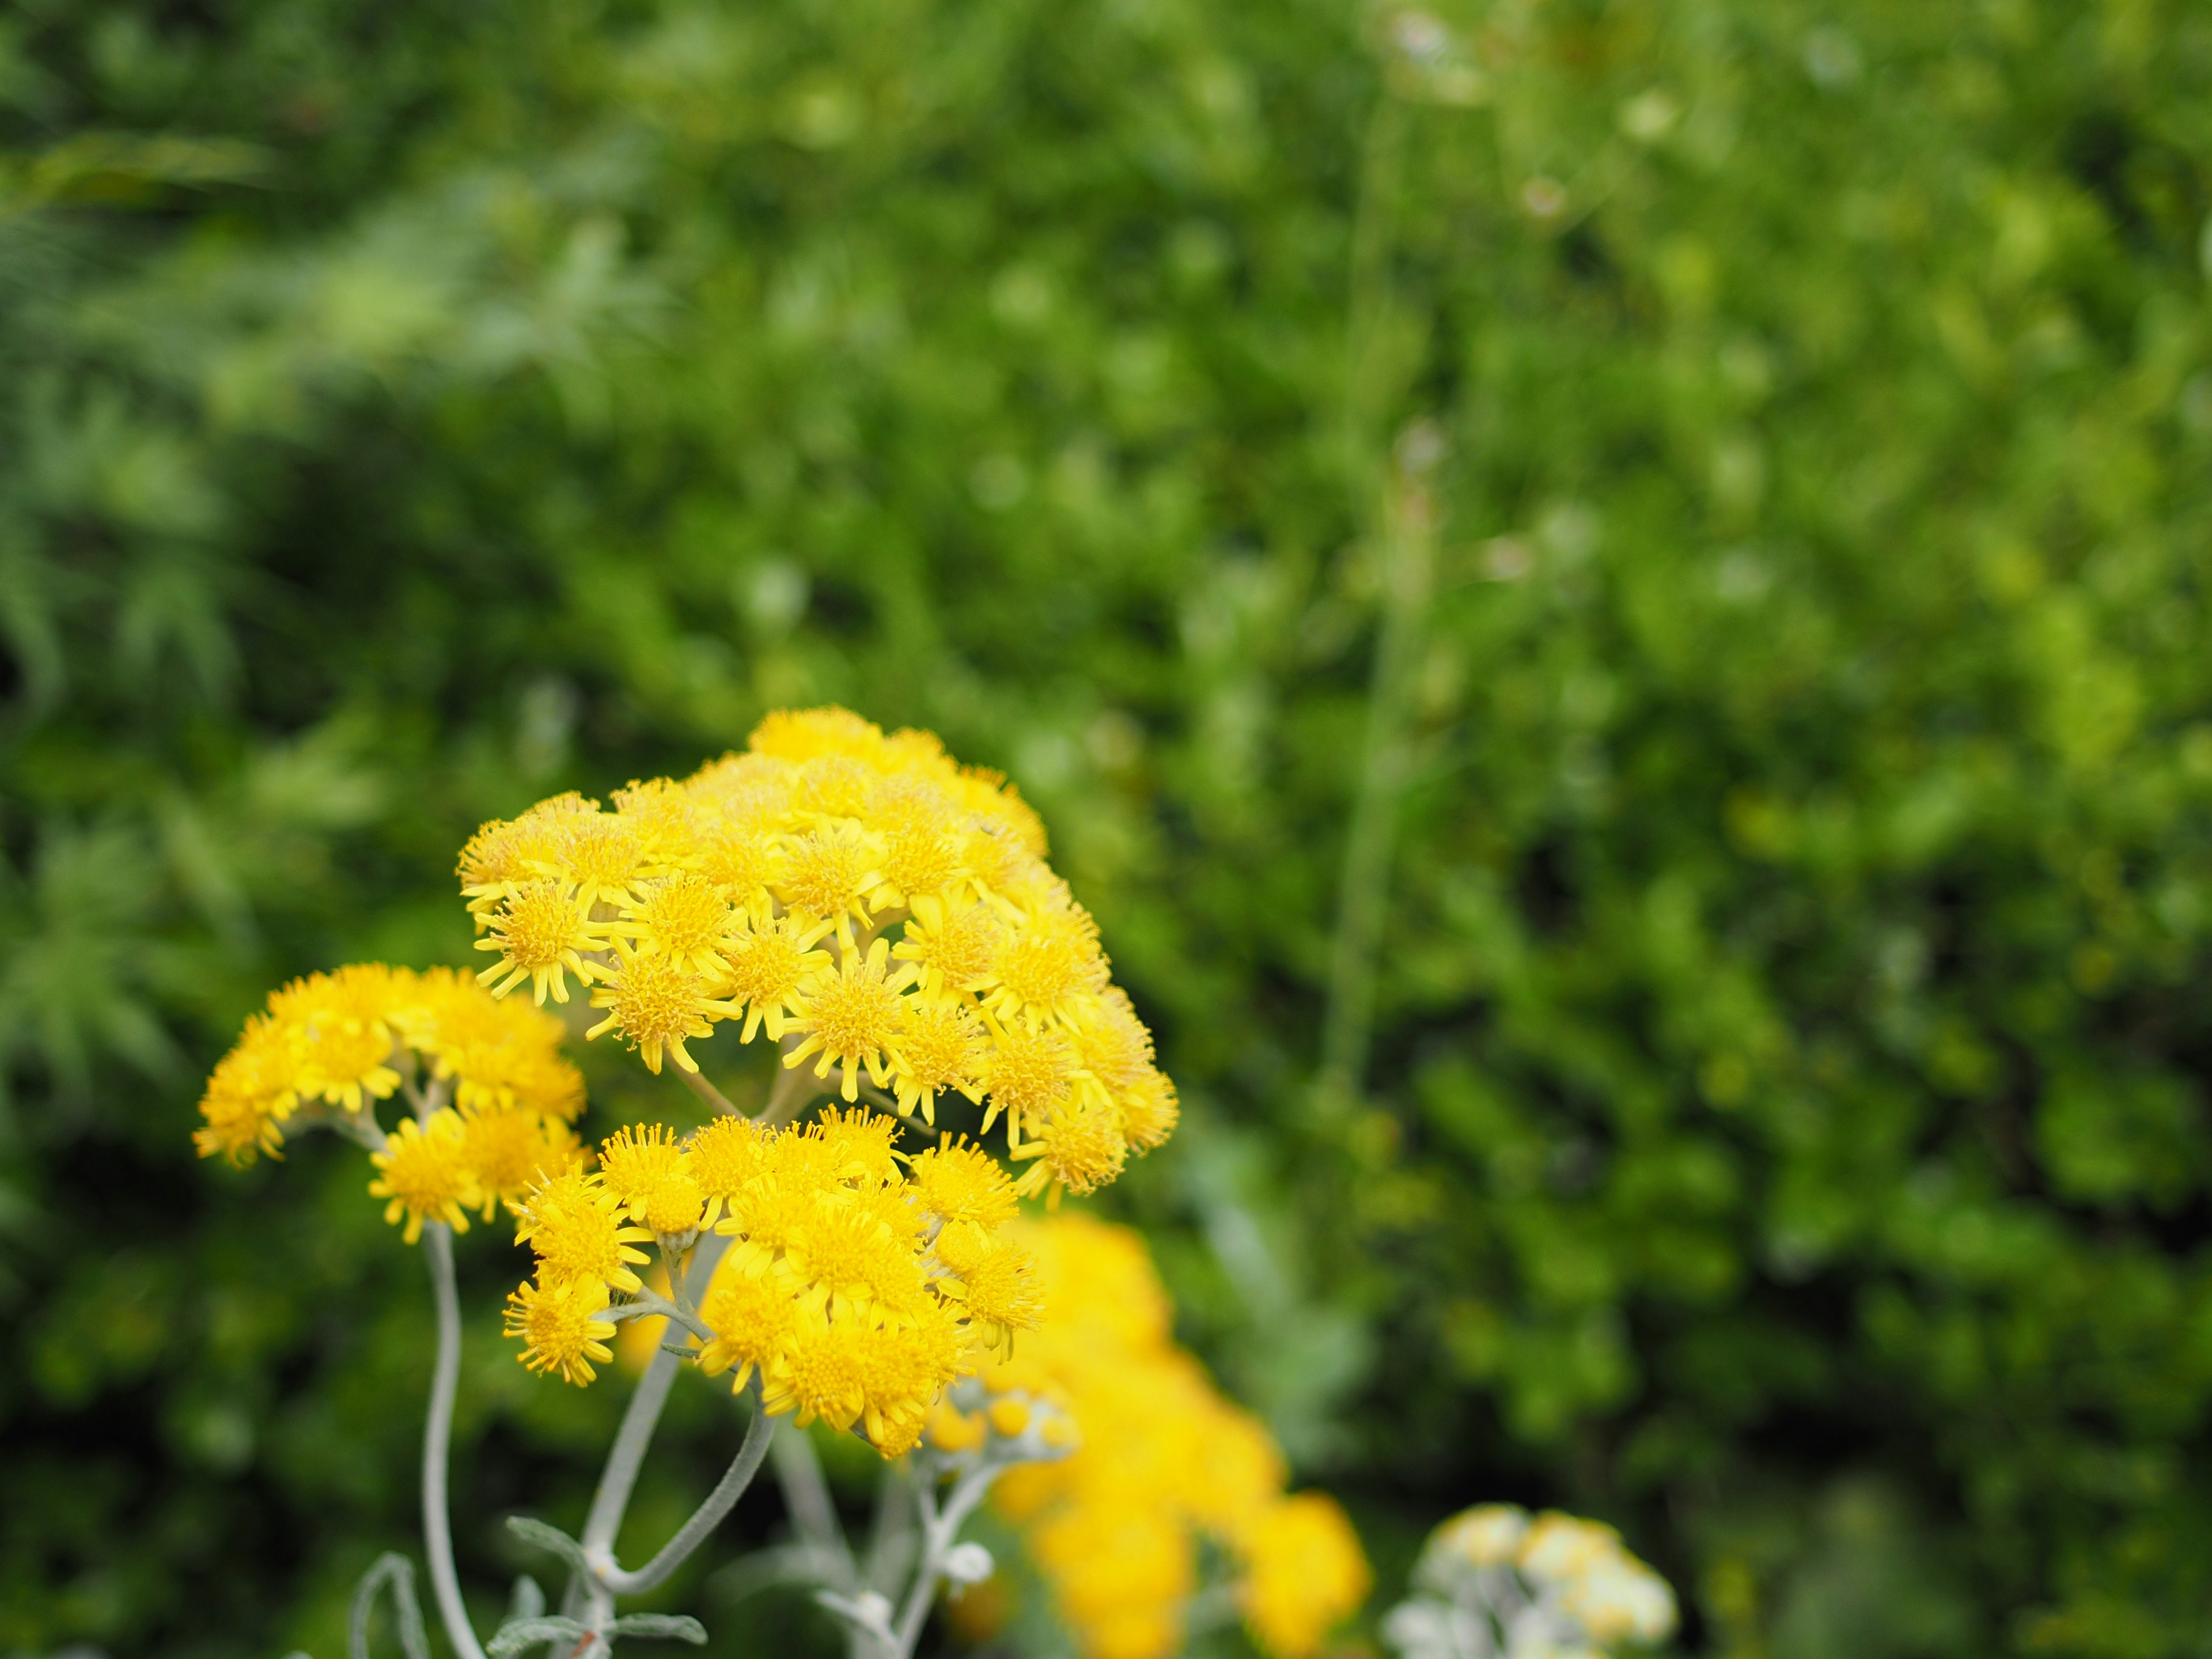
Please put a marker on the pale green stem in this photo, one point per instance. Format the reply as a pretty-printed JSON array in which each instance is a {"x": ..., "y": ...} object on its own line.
[
  {"x": 642, "y": 1415},
  {"x": 940, "y": 1531},
  {"x": 437, "y": 1437},
  {"x": 806, "y": 1496},
  {"x": 708, "y": 1516},
  {"x": 707, "y": 1091},
  {"x": 795, "y": 1088}
]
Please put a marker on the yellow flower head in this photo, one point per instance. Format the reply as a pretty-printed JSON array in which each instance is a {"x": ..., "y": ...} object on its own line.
[
  {"x": 849, "y": 1018},
  {"x": 649, "y": 1173},
  {"x": 424, "y": 1171},
  {"x": 685, "y": 917},
  {"x": 510, "y": 1152},
  {"x": 542, "y": 931},
  {"x": 771, "y": 965},
  {"x": 575, "y": 1224},
  {"x": 956, "y": 1182},
  {"x": 655, "y": 1003},
  {"x": 254, "y": 1089},
  {"x": 560, "y": 1327},
  {"x": 936, "y": 1046},
  {"x": 342, "y": 1034},
  {"x": 1304, "y": 1574}
]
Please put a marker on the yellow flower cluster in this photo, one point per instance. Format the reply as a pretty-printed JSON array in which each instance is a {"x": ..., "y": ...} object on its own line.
[
  {"x": 331, "y": 1045},
  {"x": 1494, "y": 1581},
  {"x": 880, "y": 911},
  {"x": 856, "y": 1288},
  {"x": 1164, "y": 1463}
]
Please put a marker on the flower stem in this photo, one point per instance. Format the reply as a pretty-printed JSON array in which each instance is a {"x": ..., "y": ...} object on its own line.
[
  {"x": 437, "y": 1437},
  {"x": 940, "y": 1531},
  {"x": 626, "y": 1455},
  {"x": 708, "y": 1092},
  {"x": 806, "y": 1496},
  {"x": 708, "y": 1516}
]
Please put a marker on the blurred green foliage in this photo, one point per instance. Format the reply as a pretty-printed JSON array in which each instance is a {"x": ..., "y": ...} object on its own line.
[{"x": 1785, "y": 1131}]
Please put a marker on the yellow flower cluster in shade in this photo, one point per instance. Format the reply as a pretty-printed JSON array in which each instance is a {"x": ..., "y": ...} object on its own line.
[
  {"x": 329, "y": 1047},
  {"x": 1164, "y": 1462},
  {"x": 856, "y": 1288},
  {"x": 880, "y": 911}
]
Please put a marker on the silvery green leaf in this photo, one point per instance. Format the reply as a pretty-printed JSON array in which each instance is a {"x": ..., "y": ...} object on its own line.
[
  {"x": 397, "y": 1570},
  {"x": 551, "y": 1539},
  {"x": 517, "y": 1634},
  {"x": 672, "y": 1626},
  {"x": 528, "y": 1602}
]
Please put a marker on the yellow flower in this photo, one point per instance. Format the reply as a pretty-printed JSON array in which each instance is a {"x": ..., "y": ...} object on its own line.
[
  {"x": 509, "y": 1152},
  {"x": 849, "y": 1018},
  {"x": 559, "y": 1327},
  {"x": 1163, "y": 1465},
  {"x": 830, "y": 874},
  {"x": 342, "y": 1034},
  {"x": 682, "y": 916},
  {"x": 956, "y": 1182},
  {"x": 1032, "y": 1072},
  {"x": 949, "y": 947},
  {"x": 542, "y": 930},
  {"x": 500, "y": 1055},
  {"x": 1048, "y": 966},
  {"x": 915, "y": 822},
  {"x": 648, "y": 1171},
  {"x": 936, "y": 1046},
  {"x": 575, "y": 1224},
  {"x": 423, "y": 1171},
  {"x": 655, "y": 1003},
  {"x": 1079, "y": 1147},
  {"x": 253, "y": 1089},
  {"x": 771, "y": 964},
  {"x": 1304, "y": 1573}
]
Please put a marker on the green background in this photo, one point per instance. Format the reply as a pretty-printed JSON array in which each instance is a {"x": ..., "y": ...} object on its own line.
[{"x": 1784, "y": 1130}]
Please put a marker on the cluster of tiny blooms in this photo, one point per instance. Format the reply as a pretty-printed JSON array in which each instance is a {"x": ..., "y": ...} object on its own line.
[
  {"x": 857, "y": 1284},
  {"x": 1494, "y": 1582},
  {"x": 330, "y": 1046},
  {"x": 885, "y": 915},
  {"x": 1163, "y": 1463}
]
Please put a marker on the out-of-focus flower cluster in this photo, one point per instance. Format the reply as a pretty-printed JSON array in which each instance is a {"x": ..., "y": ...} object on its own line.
[
  {"x": 1164, "y": 1464},
  {"x": 1494, "y": 1582},
  {"x": 855, "y": 1288},
  {"x": 860, "y": 892},
  {"x": 330, "y": 1046}
]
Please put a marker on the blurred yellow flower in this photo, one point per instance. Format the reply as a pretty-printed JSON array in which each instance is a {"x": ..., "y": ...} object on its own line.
[{"x": 1165, "y": 1465}]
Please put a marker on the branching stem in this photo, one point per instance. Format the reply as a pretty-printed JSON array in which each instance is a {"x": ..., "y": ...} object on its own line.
[
  {"x": 708, "y": 1516},
  {"x": 940, "y": 1531}
]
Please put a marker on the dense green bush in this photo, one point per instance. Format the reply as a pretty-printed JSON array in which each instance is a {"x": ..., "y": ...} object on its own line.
[{"x": 1782, "y": 771}]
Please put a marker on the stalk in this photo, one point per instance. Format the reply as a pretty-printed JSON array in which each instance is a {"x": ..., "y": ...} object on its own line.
[{"x": 437, "y": 1438}]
